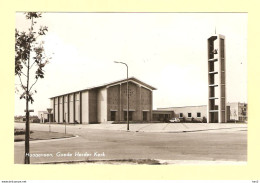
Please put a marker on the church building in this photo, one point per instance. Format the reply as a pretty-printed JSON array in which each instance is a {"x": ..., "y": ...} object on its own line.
[{"x": 105, "y": 104}]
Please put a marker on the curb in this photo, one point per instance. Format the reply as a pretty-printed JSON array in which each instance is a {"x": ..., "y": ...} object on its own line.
[{"x": 49, "y": 140}]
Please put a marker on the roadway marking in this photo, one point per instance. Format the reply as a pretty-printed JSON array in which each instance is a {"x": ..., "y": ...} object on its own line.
[
  {"x": 185, "y": 125},
  {"x": 143, "y": 127},
  {"x": 165, "y": 126}
]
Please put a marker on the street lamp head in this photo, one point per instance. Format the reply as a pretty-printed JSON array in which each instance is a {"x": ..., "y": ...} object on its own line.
[{"x": 120, "y": 63}]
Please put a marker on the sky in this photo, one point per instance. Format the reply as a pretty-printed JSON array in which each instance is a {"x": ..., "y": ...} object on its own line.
[{"x": 165, "y": 50}]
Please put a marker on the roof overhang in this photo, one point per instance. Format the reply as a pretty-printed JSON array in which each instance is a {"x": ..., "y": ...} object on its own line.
[{"x": 131, "y": 79}]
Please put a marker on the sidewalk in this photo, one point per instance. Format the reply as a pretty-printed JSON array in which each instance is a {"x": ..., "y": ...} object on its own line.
[
  {"x": 170, "y": 127},
  {"x": 154, "y": 127}
]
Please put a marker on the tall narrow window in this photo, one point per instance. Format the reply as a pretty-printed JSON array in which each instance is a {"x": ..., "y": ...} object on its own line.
[
  {"x": 181, "y": 115},
  {"x": 198, "y": 115},
  {"x": 125, "y": 115},
  {"x": 113, "y": 115},
  {"x": 130, "y": 115},
  {"x": 144, "y": 116}
]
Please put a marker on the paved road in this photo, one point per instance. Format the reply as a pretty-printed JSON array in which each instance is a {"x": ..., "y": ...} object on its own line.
[{"x": 222, "y": 144}]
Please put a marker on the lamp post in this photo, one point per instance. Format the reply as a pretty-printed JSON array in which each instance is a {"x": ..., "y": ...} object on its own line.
[{"x": 127, "y": 92}]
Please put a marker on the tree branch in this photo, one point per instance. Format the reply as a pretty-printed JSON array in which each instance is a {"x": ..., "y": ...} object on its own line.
[
  {"x": 24, "y": 74},
  {"x": 32, "y": 85},
  {"x": 21, "y": 81},
  {"x": 24, "y": 61},
  {"x": 32, "y": 65}
]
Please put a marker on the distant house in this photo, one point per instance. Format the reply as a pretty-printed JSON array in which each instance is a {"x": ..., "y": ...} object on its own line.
[
  {"x": 43, "y": 116},
  {"x": 18, "y": 118},
  {"x": 237, "y": 111},
  {"x": 23, "y": 119}
]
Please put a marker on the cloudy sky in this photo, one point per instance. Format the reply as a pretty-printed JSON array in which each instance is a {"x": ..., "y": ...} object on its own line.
[{"x": 165, "y": 50}]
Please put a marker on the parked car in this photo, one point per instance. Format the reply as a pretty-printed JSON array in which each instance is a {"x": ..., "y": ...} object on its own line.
[{"x": 174, "y": 120}]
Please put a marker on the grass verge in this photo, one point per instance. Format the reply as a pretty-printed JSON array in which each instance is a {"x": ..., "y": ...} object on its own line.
[{"x": 42, "y": 135}]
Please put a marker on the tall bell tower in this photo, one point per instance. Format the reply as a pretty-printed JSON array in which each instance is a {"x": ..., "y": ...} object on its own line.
[{"x": 216, "y": 79}]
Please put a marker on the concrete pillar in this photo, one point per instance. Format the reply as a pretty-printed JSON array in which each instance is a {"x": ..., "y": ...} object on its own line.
[
  {"x": 80, "y": 107},
  {"x": 68, "y": 106},
  {"x": 58, "y": 109},
  {"x": 74, "y": 111},
  {"x": 120, "y": 104},
  {"x": 107, "y": 112},
  {"x": 151, "y": 107},
  {"x": 140, "y": 103},
  {"x": 63, "y": 115},
  {"x": 54, "y": 109}
]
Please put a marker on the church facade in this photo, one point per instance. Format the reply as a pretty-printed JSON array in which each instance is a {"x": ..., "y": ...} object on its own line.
[{"x": 105, "y": 104}]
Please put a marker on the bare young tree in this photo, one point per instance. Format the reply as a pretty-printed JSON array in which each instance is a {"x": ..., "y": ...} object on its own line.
[{"x": 30, "y": 59}]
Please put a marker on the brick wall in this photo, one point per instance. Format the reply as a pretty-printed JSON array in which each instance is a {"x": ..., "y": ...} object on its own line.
[{"x": 139, "y": 100}]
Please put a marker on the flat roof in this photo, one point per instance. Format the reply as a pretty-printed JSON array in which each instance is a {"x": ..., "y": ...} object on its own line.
[
  {"x": 162, "y": 111},
  {"x": 159, "y": 108},
  {"x": 111, "y": 83}
]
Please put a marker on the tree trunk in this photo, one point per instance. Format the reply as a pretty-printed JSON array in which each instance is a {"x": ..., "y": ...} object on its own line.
[
  {"x": 27, "y": 135},
  {"x": 27, "y": 128}
]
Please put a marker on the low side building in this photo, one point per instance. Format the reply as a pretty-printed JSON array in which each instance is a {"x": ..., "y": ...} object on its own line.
[
  {"x": 105, "y": 103},
  {"x": 162, "y": 115},
  {"x": 236, "y": 111},
  {"x": 188, "y": 113}
]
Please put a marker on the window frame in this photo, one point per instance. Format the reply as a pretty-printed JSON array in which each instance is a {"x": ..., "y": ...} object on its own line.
[
  {"x": 190, "y": 115},
  {"x": 198, "y": 113}
]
